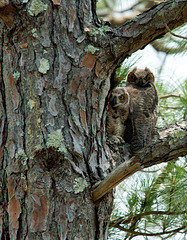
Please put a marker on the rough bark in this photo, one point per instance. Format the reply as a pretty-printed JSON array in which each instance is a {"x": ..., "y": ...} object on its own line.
[{"x": 55, "y": 69}]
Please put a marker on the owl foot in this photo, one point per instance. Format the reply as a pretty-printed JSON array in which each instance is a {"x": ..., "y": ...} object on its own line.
[{"x": 116, "y": 140}]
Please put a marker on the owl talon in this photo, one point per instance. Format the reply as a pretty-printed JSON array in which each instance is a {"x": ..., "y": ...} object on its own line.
[{"x": 116, "y": 140}]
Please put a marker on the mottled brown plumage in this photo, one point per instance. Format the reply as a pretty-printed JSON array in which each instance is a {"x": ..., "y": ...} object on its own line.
[
  {"x": 143, "y": 108},
  {"x": 118, "y": 110}
]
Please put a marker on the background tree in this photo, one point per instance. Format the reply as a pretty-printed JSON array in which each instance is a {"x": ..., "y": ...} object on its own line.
[{"x": 57, "y": 66}]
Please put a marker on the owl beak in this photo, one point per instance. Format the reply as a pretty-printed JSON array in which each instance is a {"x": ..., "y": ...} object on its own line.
[
  {"x": 142, "y": 82},
  {"x": 114, "y": 102}
]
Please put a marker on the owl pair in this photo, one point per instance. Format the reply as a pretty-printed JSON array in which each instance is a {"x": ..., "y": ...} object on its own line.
[{"x": 132, "y": 110}]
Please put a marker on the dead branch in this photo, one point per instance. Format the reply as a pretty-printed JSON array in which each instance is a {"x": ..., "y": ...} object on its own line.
[
  {"x": 123, "y": 220},
  {"x": 171, "y": 107},
  {"x": 149, "y": 234},
  {"x": 170, "y": 95},
  {"x": 174, "y": 34}
]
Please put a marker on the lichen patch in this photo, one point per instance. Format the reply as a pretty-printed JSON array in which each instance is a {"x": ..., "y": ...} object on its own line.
[
  {"x": 56, "y": 140},
  {"x": 37, "y": 7},
  {"x": 44, "y": 66},
  {"x": 79, "y": 185}
]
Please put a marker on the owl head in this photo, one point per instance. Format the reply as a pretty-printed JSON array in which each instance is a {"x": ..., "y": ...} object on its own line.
[
  {"x": 118, "y": 97},
  {"x": 140, "y": 77}
]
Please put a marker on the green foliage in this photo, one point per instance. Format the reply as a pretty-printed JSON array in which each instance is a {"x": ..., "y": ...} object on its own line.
[
  {"x": 172, "y": 102},
  {"x": 155, "y": 204}
]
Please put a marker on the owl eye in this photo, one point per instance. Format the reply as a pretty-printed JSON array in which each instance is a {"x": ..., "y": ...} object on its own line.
[
  {"x": 121, "y": 97},
  {"x": 148, "y": 77},
  {"x": 131, "y": 77}
]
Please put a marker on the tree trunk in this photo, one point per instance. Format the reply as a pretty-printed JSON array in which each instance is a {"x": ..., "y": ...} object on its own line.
[{"x": 56, "y": 65}]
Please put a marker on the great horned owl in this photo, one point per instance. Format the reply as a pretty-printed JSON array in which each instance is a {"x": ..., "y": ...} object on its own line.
[
  {"x": 118, "y": 110},
  {"x": 143, "y": 108}
]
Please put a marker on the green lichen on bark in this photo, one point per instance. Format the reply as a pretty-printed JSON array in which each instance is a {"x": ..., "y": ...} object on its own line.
[
  {"x": 99, "y": 31},
  {"x": 37, "y": 7},
  {"x": 21, "y": 156},
  {"x": 44, "y": 66},
  {"x": 79, "y": 185},
  {"x": 56, "y": 140},
  {"x": 16, "y": 75},
  {"x": 34, "y": 33},
  {"x": 31, "y": 104},
  {"x": 91, "y": 49}
]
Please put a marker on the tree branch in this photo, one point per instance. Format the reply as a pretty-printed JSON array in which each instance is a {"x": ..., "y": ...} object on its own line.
[
  {"x": 123, "y": 220},
  {"x": 171, "y": 107},
  {"x": 171, "y": 144},
  {"x": 146, "y": 27},
  {"x": 174, "y": 34},
  {"x": 123, "y": 171},
  {"x": 149, "y": 234},
  {"x": 170, "y": 95}
]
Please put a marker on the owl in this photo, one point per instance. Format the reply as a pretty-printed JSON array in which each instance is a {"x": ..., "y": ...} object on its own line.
[
  {"x": 143, "y": 108},
  {"x": 118, "y": 111}
]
